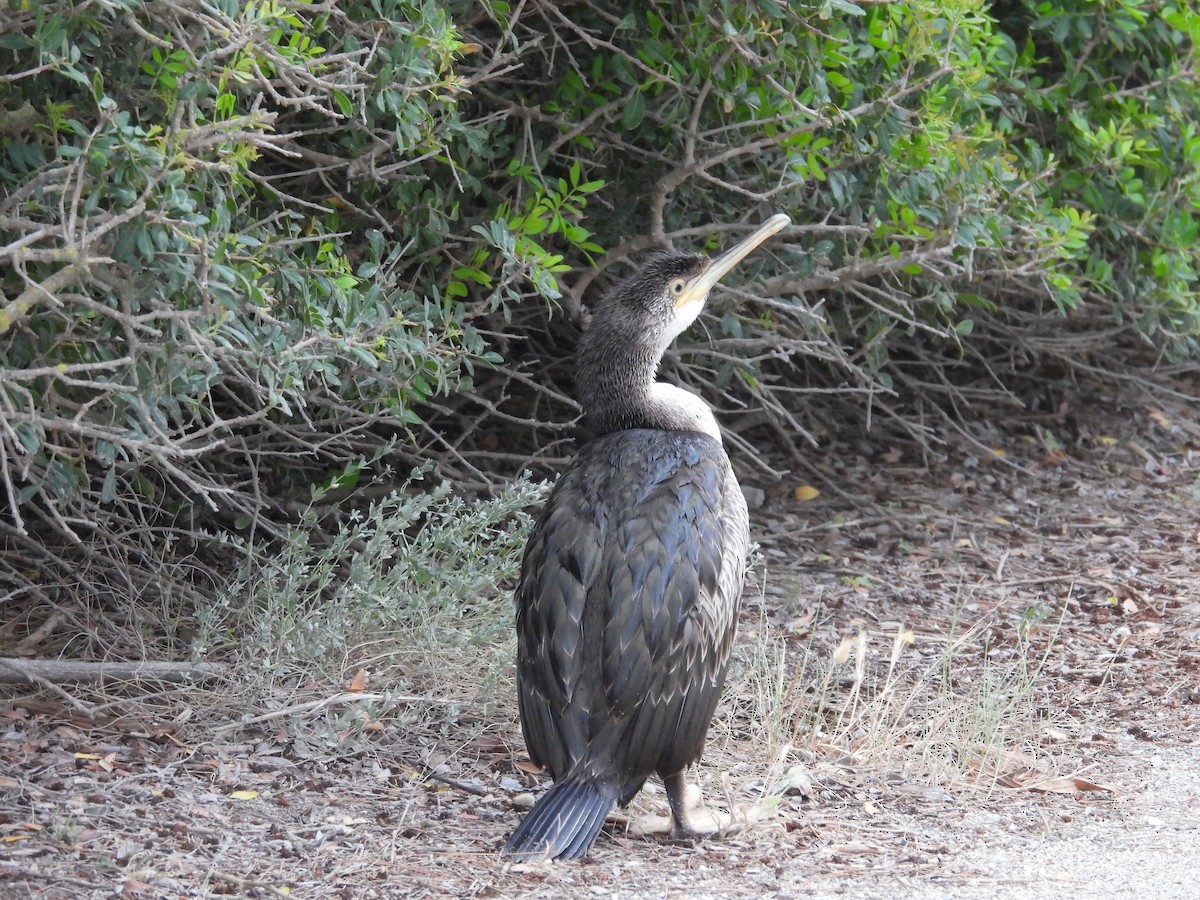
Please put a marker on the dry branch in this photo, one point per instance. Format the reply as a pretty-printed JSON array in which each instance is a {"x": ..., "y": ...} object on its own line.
[{"x": 67, "y": 670}]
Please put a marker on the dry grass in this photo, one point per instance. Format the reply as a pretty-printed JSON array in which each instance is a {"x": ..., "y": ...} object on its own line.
[{"x": 879, "y": 706}]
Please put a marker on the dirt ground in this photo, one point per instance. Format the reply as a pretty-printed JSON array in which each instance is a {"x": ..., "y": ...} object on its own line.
[{"x": 978, "y": 677}]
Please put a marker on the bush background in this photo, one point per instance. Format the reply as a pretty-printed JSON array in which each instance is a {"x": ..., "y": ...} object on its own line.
[{"x": 262, "y": 259}]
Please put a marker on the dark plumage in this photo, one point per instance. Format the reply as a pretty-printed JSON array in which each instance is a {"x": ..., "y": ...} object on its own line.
[{"x": 631, "y": 581}]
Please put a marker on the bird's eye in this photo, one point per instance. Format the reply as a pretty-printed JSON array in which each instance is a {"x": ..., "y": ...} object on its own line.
[{"x": 677, "y": 286}]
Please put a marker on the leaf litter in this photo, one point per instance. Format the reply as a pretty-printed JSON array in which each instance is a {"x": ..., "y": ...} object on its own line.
[{"x": 936, "y": 663}]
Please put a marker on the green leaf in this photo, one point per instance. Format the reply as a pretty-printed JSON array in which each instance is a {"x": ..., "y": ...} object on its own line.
[
  {"x": 343, "y": 103},
  {"x": 108, "y": 487},
  {"x": 634, "y": 111}
]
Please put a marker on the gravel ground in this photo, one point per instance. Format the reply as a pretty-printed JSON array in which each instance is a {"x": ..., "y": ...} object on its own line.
[{"x": 1146, "y": 843}]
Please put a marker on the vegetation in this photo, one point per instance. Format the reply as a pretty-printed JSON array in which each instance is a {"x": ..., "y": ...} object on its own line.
[
  {"x": 404, "y": 594},
  {"x": 252, "y": 246}
]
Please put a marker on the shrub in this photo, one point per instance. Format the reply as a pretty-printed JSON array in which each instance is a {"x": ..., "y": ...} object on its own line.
[
  {"x": 1111, "y": 91},
  {"x": 222, "y": 226},
  {"x": 248, "y": 242},
  {"x": 408, "y": 589},
  {"x": 955, "y": 230}
]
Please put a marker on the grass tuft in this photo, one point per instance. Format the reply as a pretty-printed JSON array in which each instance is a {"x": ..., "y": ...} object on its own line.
[{"x": 957, "y": 710}]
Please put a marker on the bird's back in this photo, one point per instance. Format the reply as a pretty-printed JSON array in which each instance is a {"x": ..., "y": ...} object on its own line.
[{"x": 627, "y": 605}]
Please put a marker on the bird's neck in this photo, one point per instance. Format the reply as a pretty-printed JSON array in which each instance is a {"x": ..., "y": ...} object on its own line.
[{"x": 617, "y": 389}]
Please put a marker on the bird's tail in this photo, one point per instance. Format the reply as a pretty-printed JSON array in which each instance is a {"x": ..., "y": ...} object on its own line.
[{"x": 563, "y": 824}]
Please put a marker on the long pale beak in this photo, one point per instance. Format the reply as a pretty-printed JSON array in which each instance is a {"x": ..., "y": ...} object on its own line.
[{"x": 703, "y": 283}]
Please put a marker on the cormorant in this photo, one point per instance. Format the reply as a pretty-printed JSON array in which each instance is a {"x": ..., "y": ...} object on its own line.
[{"x": 631, "y": 581}]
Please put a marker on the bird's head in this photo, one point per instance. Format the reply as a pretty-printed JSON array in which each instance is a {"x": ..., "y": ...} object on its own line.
[
  {"x": 660, "y": 300},
  {"x": 632, "y": 327}
]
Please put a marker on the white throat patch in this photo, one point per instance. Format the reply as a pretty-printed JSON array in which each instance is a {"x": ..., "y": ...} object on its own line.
[{"x": 688, "y": 412}]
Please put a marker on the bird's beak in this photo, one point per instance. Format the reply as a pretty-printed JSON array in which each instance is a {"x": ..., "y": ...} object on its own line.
[{"x": 699, "y": 287}]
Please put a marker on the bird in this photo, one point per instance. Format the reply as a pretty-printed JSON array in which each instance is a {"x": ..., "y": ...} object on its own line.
[{"x": 630, "y": 585}]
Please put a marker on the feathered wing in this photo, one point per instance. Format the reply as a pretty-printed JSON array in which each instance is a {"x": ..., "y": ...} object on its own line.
[
  {"x": 626, "y": 610},
  {"x": 675, "y": 573},
  {"x": 561, "y": 560}
]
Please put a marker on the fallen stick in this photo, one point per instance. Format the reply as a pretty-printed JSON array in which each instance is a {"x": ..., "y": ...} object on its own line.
[{"x": 57, "y": 671}]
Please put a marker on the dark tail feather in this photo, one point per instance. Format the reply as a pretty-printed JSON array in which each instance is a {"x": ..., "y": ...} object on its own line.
[{"x": 563, "y": 824}]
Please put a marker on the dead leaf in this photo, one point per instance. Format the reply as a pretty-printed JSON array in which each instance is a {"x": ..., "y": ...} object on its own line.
[
  {"x": 806, "y": 492},
  {"x": 1158, "y": 416},
  {"x": 1107, "y": 440},
  {"x": 526, "y": 765},
  {"x": 1021, "y": 771},
  {"x": 1067, "y": 784},
  {"x": 801, "y": 623},
  {"x": 358, "y": 682},
  {"x": 243, "y": 795}
]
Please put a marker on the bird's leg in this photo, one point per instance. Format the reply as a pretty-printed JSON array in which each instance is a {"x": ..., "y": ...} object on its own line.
[{"x": 689, "y": 817}]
